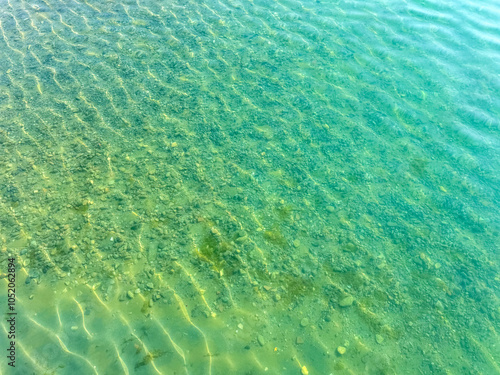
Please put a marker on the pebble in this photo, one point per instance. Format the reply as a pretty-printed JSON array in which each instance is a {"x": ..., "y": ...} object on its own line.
[
  {"x": 130, "y": 294},
  {"x": 349, "y": 247},
  {"x": 261, "y": 340},
  {"x": 299, "y": 340},
  {"x": 346, "y": 301},
  {"x": 304, "y": 322},
  {"x": 341, "y": 350},
  {"x": 241, "y": 239},
  {"x": 379, "y": 339},
  {"x": 330, "y": 209},
  {"x": 304, "y": 370},
  {"x": 240, "y": 326},
  {"x": 296, "y": 243}
]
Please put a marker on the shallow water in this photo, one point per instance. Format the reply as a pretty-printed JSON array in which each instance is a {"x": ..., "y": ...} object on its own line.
[{"x": 250, "y": 187}]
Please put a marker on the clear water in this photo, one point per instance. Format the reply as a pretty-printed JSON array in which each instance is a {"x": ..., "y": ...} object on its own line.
[{"x": 250, "y": 187}]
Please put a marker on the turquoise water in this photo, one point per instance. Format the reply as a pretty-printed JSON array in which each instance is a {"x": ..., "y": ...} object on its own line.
[{"x": 251, "y": 187}]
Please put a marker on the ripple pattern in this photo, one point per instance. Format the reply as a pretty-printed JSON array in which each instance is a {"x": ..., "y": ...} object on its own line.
[{"x": 250, "y": 187}]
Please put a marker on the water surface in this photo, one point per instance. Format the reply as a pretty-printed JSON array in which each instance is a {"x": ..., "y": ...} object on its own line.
[{"x": 251, "y": 187}]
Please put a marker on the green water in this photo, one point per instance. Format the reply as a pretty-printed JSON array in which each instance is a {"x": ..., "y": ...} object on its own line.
[{"x": 251, "y": 187}]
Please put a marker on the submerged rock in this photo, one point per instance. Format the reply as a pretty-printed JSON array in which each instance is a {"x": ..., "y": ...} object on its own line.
[
  {"x": 261, "y": 340},
  {"x": 346, "y": 301}
]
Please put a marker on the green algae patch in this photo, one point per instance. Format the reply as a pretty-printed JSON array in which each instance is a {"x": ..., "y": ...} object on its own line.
[
  {"x": 213, "y": 249},
  {"x": 81, "y": 208},
  {"x": 284, "y": 212},
  {"x": 275, "y": 236},
  {"x": 148, "y": 358}
]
